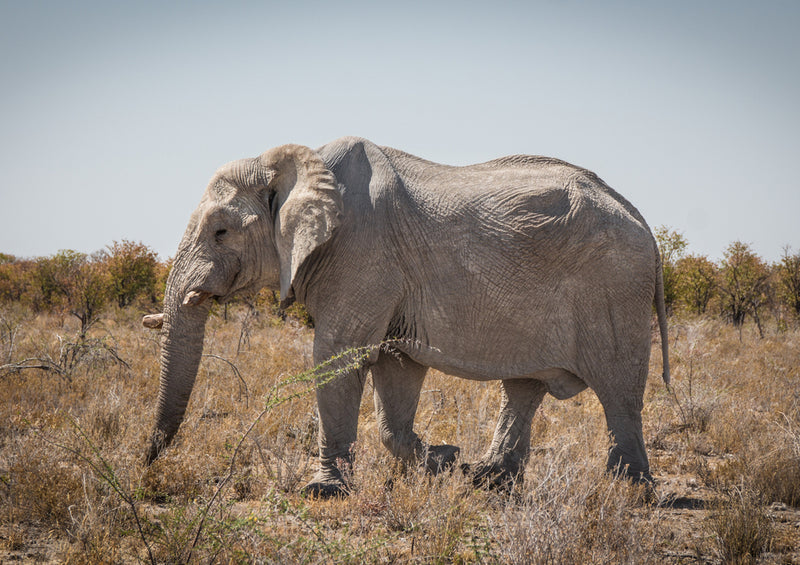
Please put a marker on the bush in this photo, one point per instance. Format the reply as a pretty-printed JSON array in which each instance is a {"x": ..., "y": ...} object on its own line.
[
  {"x": 744, "y": 280},
  {"x": 741, "y": 526},
  {"x": 789, "y": 280},
  {"x": 672, "y": 246},
  {"x": 132, "y": 271},
  {"x": 697, "y": 282}
]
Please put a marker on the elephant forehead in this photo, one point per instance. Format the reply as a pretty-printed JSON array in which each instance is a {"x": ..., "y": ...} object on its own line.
[{"x": 230, "y": 204}]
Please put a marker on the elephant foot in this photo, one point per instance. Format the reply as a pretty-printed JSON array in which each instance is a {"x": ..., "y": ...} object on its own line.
[
  {"x": 326, "y": 484},
  {"x": 439, "y": 458},
  {"x": 636, "y": 476},
  {"x": 642, "y": 478},
  {"x": 494, "y": 476}
]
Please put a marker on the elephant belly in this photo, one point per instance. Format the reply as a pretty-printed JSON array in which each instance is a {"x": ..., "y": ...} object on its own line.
[{"x": 560, "y": 383}]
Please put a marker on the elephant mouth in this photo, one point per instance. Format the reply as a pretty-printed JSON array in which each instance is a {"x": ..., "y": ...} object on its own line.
[{"x": 196, "y": 297}]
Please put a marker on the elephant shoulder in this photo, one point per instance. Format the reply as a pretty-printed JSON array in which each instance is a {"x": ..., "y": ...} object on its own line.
[
  {"x": 364, "y": 170},
  {"x": 349, "y": 149}
]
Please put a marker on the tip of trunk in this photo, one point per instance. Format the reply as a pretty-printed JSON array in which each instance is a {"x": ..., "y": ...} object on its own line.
[{"x": 157, "y": 446}]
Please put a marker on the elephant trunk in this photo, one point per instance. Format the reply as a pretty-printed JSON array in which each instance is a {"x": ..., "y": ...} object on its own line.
[{"x": 183, "y": 330}]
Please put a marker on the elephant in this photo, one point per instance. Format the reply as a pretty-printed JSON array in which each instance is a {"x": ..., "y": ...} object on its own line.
[{"x": 523, "y": 269}]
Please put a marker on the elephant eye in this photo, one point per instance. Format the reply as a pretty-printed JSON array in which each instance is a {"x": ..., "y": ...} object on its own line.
[{"x": 220, "y": 234}]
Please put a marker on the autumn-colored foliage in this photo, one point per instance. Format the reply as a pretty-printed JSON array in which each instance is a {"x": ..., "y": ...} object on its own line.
[
  {"x": 741, "y": 285},
  {"x": 132, "y": 270},
  {"x": 697, "y": 283},
  {"x": 74, "y": 283},
  {"x": 744, "y": 284},
  {"x": 789, "y": 280}
]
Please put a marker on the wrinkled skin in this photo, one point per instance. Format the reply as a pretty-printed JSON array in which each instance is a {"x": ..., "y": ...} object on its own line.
[{"x": 526, "y": 270}]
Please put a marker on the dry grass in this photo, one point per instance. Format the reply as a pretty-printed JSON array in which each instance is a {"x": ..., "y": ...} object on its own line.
[{"x": 724, "y": 447}]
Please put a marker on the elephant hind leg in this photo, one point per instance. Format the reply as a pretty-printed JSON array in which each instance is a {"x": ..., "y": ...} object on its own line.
[
  {"x": 627, "y": 454},
  {"x": 504, "y": 462},
  {"x": 398, "y": 381},
  {"x": 624, "y": 419}
]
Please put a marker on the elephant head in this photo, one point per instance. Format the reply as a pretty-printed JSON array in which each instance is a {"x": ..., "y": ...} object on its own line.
[{"x": 258, "y": 221}]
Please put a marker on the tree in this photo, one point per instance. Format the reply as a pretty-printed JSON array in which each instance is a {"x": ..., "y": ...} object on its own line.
[
  {"x": 697, "y": 282},
  {"x": 132, "y": 270},
  {"x": 72, "y": 282},
  {"x": 14, "y": 278},
  {"x": 672, "y": 246},
  {"x": 789, "y": 280},
  {"x": 744, "y": 279},
  {"x": 89, "y": 292},
  {"x": 53, "y": 277}
]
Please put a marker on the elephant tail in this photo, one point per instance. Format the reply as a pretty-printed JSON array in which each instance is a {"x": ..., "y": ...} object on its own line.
[{"x": 661, "y": 311}]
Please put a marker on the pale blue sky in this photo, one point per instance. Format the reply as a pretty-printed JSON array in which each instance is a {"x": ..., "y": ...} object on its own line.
[{"x": 115, "y": 114}]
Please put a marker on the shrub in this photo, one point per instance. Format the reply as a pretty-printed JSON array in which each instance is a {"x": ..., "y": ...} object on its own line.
[
  {"x": 697, "y": 282},
  {"x": 741, "y": 527},
  {"x": 132, "y": 271},
  {"x": 672, "y": 246},
  {"x": 744, "y": 279},
  {"x": 71, "y": 282},
  {"x": 15, "y": 278},
  {"x": 789, "y": 280}
]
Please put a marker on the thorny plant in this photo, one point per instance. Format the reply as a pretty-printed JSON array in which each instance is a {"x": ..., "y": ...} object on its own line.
[
  {"x": 95, "y": 460},
  {"x": 259, "y": 517},
  {"x": 694, "y": 416},
  {"x": 288, "y": 389}
]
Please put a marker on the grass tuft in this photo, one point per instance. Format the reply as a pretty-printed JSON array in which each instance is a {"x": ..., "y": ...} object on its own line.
[{"x": 741, "y": 527}]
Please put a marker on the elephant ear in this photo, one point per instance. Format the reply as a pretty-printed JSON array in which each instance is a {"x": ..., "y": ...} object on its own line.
[{"x": 305, "y": 204}]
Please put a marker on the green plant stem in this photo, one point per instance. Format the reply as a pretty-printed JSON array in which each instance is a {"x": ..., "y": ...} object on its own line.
[{"x": 106, "y": 473}]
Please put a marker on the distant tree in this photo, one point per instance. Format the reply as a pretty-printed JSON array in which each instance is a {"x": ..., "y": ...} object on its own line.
[
  {"x": 14, "y": 278},
  {"x": 744, "y": 280},
  {"x": 788, "y": 271},
  {"x": 672, "y": 246},
  {"x": 73, "y": 282},
  {"x": 697, "y": 282},
  {"x": 53, "y": 277},
  {"x": 90, "y": 292},
  {"x": 132, "y": 270}
]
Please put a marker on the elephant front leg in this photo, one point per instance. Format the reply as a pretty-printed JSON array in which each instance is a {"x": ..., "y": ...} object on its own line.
[
  {"x": 337, "y": 403},
  {"x": 504, "y": 462},
  {"x": 398, "y": 382}
]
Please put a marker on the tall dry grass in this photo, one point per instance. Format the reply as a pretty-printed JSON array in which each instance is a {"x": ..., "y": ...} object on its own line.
[{"x": 724, "y": 444}]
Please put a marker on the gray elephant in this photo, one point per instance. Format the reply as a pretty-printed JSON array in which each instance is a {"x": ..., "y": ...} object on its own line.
[{"x": 524, "y": 269}]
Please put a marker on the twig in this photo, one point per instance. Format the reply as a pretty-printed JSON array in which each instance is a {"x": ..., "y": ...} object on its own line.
[
  {"x": 318, "y": 376},
  {"x": 105, "y": 471},
  {"x": 43, "y": 364},
  {"x": 243, "y": 384}
]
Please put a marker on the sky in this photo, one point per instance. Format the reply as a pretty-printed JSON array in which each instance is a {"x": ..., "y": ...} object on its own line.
[{"x": 114, "y": 115}]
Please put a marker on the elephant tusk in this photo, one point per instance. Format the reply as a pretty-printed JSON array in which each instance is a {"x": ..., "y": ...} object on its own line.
[
  {"x": 195, "y": 297},
  {"x": 153, "y": 321}
]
